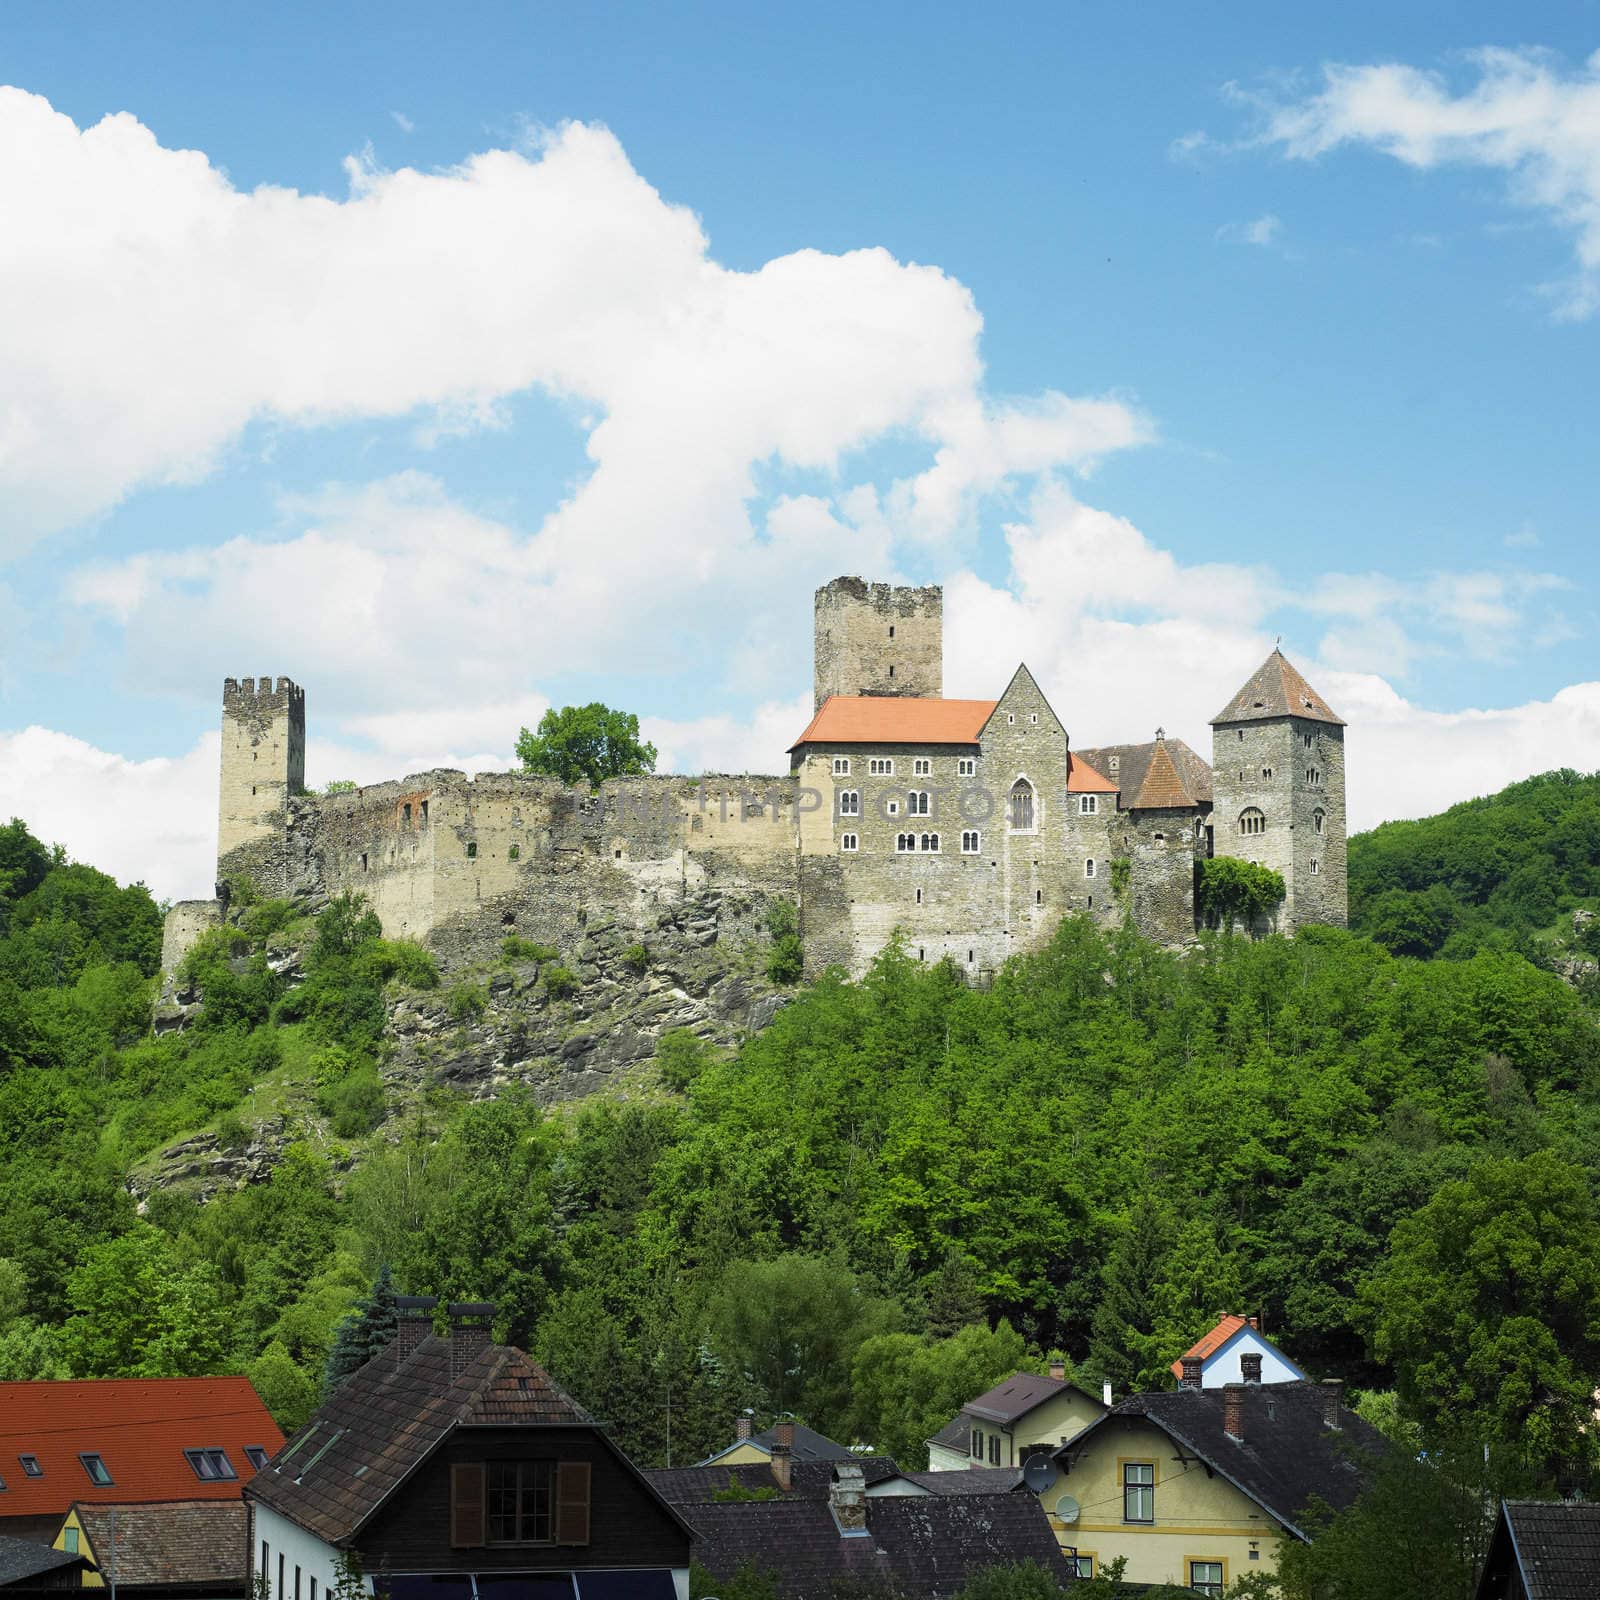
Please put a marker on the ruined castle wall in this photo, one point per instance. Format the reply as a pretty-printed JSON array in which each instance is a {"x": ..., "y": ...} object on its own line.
[
  {"x": 263, "y": 768},
  {"x": 876, "y": 638},
  {"x": 185, "y": 922}
]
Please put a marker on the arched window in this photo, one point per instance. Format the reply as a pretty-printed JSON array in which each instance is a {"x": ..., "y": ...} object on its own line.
[
  {"x": 1252, "y": 821},
  {"x": 930, "y": 842},
  {"x": 849, "y": 802},
  {"x": 917, "y": 803},
  {"x": 1318, "y": 818},
  {"x": 1021, "y": 806},
  {"x": 904, "y": 842}
]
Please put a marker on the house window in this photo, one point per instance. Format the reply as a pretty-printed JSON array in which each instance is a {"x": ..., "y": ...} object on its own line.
[
  {"x": 519, "y": 1502},
  {"x": 210, "y": 1465},
  {"x": 1138, "y": 1491},
  {"x": 514, "y": 852},
  {"x": 904, "y": 842},
  {"x": 1206, "y": 1576},
  {"x": 297, "y": 1583},
  {"x": 880, "y": 766},
  {"x": 970, "y": 842},
  {"x": 994, "y": 1449},
  {"x": 917, "y": 803},
  {"x": 1088, "y": 805},
  {"x": 69, "y": 1541},
  {"x": 1318, "y": 818},
  {"x": 1081, "y": 1566},
  {"x": 977, "y": 1444},
  {"x": 30, "y": 1466},
  {"x": 472, "y": 850},
  {"x": 1088, "y": 868},
  {"x": 1021, "y": 806},
  {"x": 841, "y": 766},
  {"x": 967, "y": 767},
  {"x": 849, "y": 802},
  {"x": 922, "y": 767},
  {"x": 313, "y": 1588},
  {"x": 264, "y": 1567},
  {"x": 256, "y": 1455},
  {"x": 280, "y": 1575},
  {"x": 99, "y": 1472},
  {"x": 1252, "y": 821},
  {"x": 848, "y": 842},
  {"x": 930, "y": 842}
]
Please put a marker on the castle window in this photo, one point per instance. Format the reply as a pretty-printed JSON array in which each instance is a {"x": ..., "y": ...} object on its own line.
[
  {"x": 1314, "y": 776},
  {"x": 1266, "y": 772},
  {"x": 1088, "y": 805},
  {"x": 1021, "y": 811},
  {"x": 922, "y": 767},
  {"x": 919, "y": 897},
  {"x": 966, "y": 767},
  {"x": 922, "y": 954},
  {"x": 1309, "y": 740},
  {"x": 1318, "y": 818},
  {"x": 1252, "y": 821},
  {"x": 917, "y": 803},
  {"x": 891, "y": 630},
  {"x": 1033, "y": 717},
  {"x": 930, "y": 841},
  {"x": 1316, "y": 866},
  {"x": 849, "y": 803},
  {"x": 848, "y": 842},
  {"x": 1161, "y": 838},
  {"x": 891, "y": 671},
  {"x": 252, "y": 788},
  {"x": 1088, "y": 867},
  {"x": 969, "y": 842},
  {"x": 425, "y": 812},
  {"x": 841, "y": 766},
  {"x": 904, "y": 842},
  {"x": 1241, "y": 736},
  {"x": 363, "y": 860},
  {"x": 1011, "y": 717},
  {"x": 513, "y": 853},
  {"x": 880, "y": 766},
  {"x": 971, "y": 954},
  {"x": 1038, "y": 897},
  {"x": 472, "y": 850},
  {"x": 1115, "y": 763},
  {"x": 405, "y": 813},
  {"x": 892, "y": 808}
]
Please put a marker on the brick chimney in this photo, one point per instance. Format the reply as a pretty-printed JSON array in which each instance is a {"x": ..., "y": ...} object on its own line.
[
  {"x": 1250, "y": 1365},
  {"x": 1254, "y": 1321},
  {"x": 414, "y": 1314},
  {"x": 1332, "y": 1401},
  {"x": 741, "y": 1428},
  {"x": 1233, "y": 1410},
  {"x": 1105, "y": 1392},
  {"x": 847, "y": 1497},
  {"x": 1191, "y": 1373},
  {"x": 1058, "y": 1369},
  {"x": 469, "y": 1332},
  {"x": 783, "y": 1454}
]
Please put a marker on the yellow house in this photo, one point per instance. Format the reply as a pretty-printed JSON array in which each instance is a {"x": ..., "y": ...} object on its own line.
[
  {"x": 199, "y": 1546},
  {"x": 1197, "y": 1487},
  {"x": 756, "y": 1449},
  {"x": 1023, "y": 1416}
]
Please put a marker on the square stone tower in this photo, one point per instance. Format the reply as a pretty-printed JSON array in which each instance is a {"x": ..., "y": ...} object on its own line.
[
  {"x": 1277, "y": 773},
  {"x": 876, "y": 638},
  {"x": 263, "y": 765}
]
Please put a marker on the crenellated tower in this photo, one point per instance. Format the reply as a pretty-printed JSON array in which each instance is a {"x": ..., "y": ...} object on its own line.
[
  {"x": 263, "y": 766},
  {"x": 878, "y": 639}
]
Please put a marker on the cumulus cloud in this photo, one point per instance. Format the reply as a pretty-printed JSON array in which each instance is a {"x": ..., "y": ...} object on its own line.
[
  {"x": 1262, "y": 232},
  {"x": 168, "y": 309},
  {"x": 1527, "y": 115}
]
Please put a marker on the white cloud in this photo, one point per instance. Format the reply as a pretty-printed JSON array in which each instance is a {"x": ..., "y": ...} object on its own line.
[
  {"x": 403, "y": 122},
  {"x": 167, "y": 309},
  {"x": 1527, "y": 116},
  {"x": 1263, "y": 231}
]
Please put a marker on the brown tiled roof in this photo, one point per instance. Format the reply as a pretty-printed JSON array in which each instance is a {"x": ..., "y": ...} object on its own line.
[
  {"x": 1555, "y": 1546},
  {"x": 386, "y": 1419},
  {"x": 808, "y": 1480},
  {"x": 1163, "y": 788},
  {"x": 1133, "y": 762},
  {"x": 896, "y": 719},
  {"x": 1212, "y": 1342},
  {"x": 927, "y": 1546},
  {"x": 1276, "y": 689},
  {"x": 176, "y": 1542}
]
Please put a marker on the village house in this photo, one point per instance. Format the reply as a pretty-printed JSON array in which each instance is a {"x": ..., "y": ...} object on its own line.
[
  {"x": 1026, "y": 1413},
  {"x": 161, "y": 1551},
  {"x": 1543, "y": 1550},
  {"x": 756, "y": 1449},
  {"x": 1236, "y": 1351}
]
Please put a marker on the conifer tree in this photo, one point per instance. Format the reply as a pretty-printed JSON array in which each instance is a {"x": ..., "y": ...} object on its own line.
[{"x": 367, "y": 1330}]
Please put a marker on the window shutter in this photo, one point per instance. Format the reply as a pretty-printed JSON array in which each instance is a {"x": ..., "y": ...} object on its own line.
[
  {"x": 466, "y": 1505},
  {"x": 572, "y": 1502}
]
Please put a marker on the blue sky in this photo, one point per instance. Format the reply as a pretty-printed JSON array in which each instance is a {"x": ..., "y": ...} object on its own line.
[{"x": 1335, "y": 335}]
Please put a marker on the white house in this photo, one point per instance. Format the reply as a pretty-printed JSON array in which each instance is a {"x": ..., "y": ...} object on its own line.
[{"x": 1235, "y": 1351}]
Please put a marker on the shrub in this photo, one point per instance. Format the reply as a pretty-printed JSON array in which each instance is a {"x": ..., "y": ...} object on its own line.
[
  {"x": 558, "y": 982},
  {"x": 466, "y": 1002},
  {"x": 636, "y": 957},
  {"x": 517, "y": 949},
  {"x": 267, "y": 917},
  {"x": 1228, "y": 890},
  {"x": 339, "y": 786},
  {"x": 232, "y": 1135},
  {"x": 787, "y": 958},
  {"x": 402, "y": 960},
  {"x": 355, "y": 1104},
  {"x": 681, "y": 1058}
]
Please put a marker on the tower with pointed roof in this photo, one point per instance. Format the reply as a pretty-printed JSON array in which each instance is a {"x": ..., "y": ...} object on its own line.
[{"x": 1278, "y": 790}]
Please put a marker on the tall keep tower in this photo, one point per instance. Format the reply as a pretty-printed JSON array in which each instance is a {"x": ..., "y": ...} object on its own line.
[
  {"x": 263, "y": 764},
  {"x": 1277, "y": 773},
  {"x": 875, "y": 638}
]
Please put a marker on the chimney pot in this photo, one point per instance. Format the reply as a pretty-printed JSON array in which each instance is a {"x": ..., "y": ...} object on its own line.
[
  {"x": 1233, "y": 1410},
  {"x": 1105, "y": 1392},
  {"x": 1250, "y": 1366},
  {"x": 783, "y": 1454},
  {"x": 1255, "y": 1322},
  {"x": 1191, "y": 1378},
  {"x": 847, "y": 1497},
  {"x": 1332, "y": 1401},
  {"x": 469, "y": 1332},
  {"x": 414, "y": 1314},
  {"x": 741, "y": 1428},
  {"x": 1058, "y": 1368}
]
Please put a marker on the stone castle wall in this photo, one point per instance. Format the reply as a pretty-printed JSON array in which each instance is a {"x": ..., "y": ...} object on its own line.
[
  {"x": 263, "y": 768},
  {"x": 878, "y": 638}
]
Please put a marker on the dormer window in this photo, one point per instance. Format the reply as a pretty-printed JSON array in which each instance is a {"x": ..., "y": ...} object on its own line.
[
  {"x": 210, "y": 1466},
  {"x": 99, "y": 1472},
  {"x": 30, "y": 1466},
  {"x": 1115, "y": 763},
  {"x": 256, "y": 1455}
]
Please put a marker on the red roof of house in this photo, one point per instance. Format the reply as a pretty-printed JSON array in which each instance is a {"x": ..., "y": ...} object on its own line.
[
  {"x": 895, "y": 719},
  {"x": 139, "y": 1427},
  {"x": 1083, "y": 779},
  {"x": 1212, "y": 1342}
]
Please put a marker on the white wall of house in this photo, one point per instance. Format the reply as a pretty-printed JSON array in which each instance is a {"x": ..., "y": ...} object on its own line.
[
  {"x": 300, "y": 1550},
  {"x": 1222, "y": 1366},
  {"x": 941, "y": 1459}
]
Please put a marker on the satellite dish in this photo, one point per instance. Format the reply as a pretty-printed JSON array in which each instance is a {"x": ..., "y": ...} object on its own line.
[
  {"x": 1038, "y": 1472},
  {"x": 1066, "y": 1509}
]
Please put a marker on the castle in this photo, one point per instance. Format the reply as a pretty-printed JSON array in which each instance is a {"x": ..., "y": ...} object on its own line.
[{"x": 971, "y": 826}]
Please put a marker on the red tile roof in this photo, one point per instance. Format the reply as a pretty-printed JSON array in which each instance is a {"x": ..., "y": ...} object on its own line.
[
  {"x": 1083, "y": 779},
  {"x": 1212, "y": 1342},
  {"x": 894, "y": 719},
  {"x": 1163, "y": 788},
  {"x": 139, "y": 1427}
]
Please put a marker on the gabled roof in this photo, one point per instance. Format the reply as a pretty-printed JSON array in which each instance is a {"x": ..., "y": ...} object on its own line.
[
  {"x": 809, "y": 1445},
  {"x": 1276, "y": 689},
  {"x": 1133, "y": 761},
  {"x": 968, "y": 1480},
  {"x": 178, "y": 1542},
  {"x": 1208, "y": 1344},
  {"x": 1554, "y": 1547},
  {"x": 895, "y": 719},
  {"x": 140, "y": 1428},
  {"x": 22, "y": 1559},
  {"x": 385, "y": 1420},
  {"x": 808, "y": 1480},
  {"x": 923, "y": 1545},
  {"x": 1163, "y": 788},
  {"x": 1019, "y": 1394},
  {"x": 1286, "y": 1457},
  {"x": 1084, "y": 779}
]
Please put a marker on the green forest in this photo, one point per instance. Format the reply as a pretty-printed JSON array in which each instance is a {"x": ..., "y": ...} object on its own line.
[{"x": 898, "y": 1193}]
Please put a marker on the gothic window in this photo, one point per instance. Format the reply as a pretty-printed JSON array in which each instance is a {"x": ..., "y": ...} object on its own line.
[
  {"x": 904, "y": 842},
  {"x": 922, "y": 767},
  {"x": 1252, "y": 821},
  {"x": 841, "y": 766},
  {"x": 1309, "y": 740},
  {"x": 1318, "y": 818},
  {"x": 917, "y": 803},
  {"x": 969, "y": 842},
  {"x": 1021, "y": 812},
  {"x": 849, "y": 803},
  {"x": 405, "y": 812},
  {"x": 1313, "y": 776},
  {"x": 880, "y": 766},
  {"x": 930, "y": 841},
  {"x": 966, "y": 767},
  {"x": 848, "y": 842},
  {"x": 1088, "y": 805}
]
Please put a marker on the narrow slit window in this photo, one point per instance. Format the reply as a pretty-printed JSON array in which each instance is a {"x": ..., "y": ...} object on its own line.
[{"x": 472, "y": 850}]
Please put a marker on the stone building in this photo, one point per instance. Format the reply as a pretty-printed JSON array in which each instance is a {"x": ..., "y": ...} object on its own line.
[{"x": 971, "y": 827}]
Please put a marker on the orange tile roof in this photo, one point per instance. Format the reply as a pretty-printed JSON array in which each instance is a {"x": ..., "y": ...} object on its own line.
[
  {"x": 139, "y": 1427},
  {"x": 1083, "y": 779},
  {"x": 1163, "y": 788},
  {"x": 1212, "y": 1342},
  {"x": 1276, "y": 689},
  {"x": 894, "y": 719}
]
